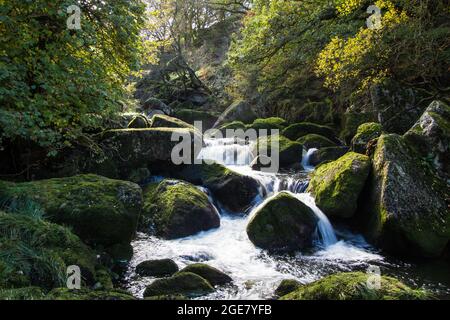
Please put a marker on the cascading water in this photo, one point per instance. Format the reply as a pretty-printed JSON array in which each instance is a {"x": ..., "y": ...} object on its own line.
[{"x": 255, "y": 273}]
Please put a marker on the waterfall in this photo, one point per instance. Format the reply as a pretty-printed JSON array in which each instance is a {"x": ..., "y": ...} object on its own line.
[
  {"x": 227, "y": 152},
  {"x": 306, "y": 159}
]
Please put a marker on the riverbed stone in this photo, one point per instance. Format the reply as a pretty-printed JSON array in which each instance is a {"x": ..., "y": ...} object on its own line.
[
  {"x": 163, "y": 121},
  {"x": 283, "y": 224},
  {"x": 327, "y": 154},
  {"x": 238, "y": 111},
  {"x": 366, "y": 132},
  {"x": 187, "y": 284},
  {"x": 99, "y": 210},
  {"x": 405, "y": 209},
  {"x": 336, "y": 185},
  {"x": 157, "y": 268},
  {"x": 354, "y": 286},
  {"x": 177, "y": 209},
  {"x": 287, "y": 286},
  {"x": 214, "y": 276},
  {"x": 290, "y": 152},
  {"x": 268, "y": 124},
  {"x": 315, "y": 141},
  {"x": 298, "y": 130}
]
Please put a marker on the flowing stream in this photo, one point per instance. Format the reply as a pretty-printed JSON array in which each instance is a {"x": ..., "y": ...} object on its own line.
[{"x": 255, "y": 273}]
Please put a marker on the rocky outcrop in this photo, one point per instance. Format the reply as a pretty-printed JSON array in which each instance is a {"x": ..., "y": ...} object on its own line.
[
  {"x": 99, "y": 210},
  {"x": 190, "y": 116},
  {"x": 154, "y": 106},
  {"x": 163, "y": 121},
  {"x": 405, "y": 209},
  {"x": 176, "y": 209},
  {"x": 356, "y": 286},
  {"x": 336, "y": 186},
  {"x": 283, "y": 224},
  {"x": 366, "y": 132}
]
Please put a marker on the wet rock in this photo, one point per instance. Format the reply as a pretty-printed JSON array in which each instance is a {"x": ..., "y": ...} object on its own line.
[
  {"x": 157, "y": 268},
  {"x": 405, "y": 210},
  {"x": 298, "y": 130},
  {"x": 287, "y": 286},
  {"x": 139, "y": 122},
  {"x": 327, "y": 154},
  {"x": 214, "y": 276},
  {"x": 154, "y": 106},
  {"x": 177, "y": 209},
  {"x": 366, "y": 132},
  {"x": 336, "y": 185},
  {"x": 190, "y": 116},
  {"x": 315, "y": 141},
  {"x": 268, "y": 124},
  {"x": 354, "y": 286},
  {"x": 163, "y": 121},
  {"x": 290, "y": 152},
  {"x": 284, "y": 223},
  {"x": 186, "y": 284},
  {"x": 99, "y": 210}
]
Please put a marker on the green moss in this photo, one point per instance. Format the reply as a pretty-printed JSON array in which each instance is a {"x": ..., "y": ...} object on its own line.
[
  {"x": 100, "y": 210},
  {"x": 157, "y": 268},
  {"x": 268, "y": 124},
  {"x": 287, "y": 286},
  {"x": 235, "y": 125},
  {"x": 284, "y": 223},
  {"x": 353, "y": 286},
  {"x": 214, "y": 276},
  {"x": 190, "y": 116},
  {"x": 139, "y": 121},
  {"x": 186, "y": 284},
  {"x": 366, "y": 132},
  {"x": 337, "y": 185},
  {"x": 298, "y": 130},
  {"x": 352, "y": 120},
  {"x": 290, "y": 152},
  {"x": 173, "y": 205},
  {"x": 35, "y": 252},
  {"x": 66, "y": 294},
  {"x": 28, "y": 293},
  {"x": 315, "y": 141}
]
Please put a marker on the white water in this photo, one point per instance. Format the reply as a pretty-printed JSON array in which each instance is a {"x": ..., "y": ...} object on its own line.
[
  {"x": 306, "y": 158},
  {"x": 255, "y": 273}
]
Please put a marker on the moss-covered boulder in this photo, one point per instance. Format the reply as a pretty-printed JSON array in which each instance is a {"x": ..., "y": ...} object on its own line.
[
  {"x": 430, "y": 137},
  {"x": 283, "y": 224},
  {"x": 176, "y": 209},
  {"x": 405, "y": 208},
  {"x": 327, "y": 154},
  {"x": 298, "y": 130},
  {"x": 352, "y": 119},
  {"x": 27, "y": 293},
  {"x": 239, "y": 111},
  {"x": 234, "y": 191},
  {"x": 128, "y": 149},
  {"x": 154, "y": 106},
  {"x": 235, "y": 125},
  {"x": 187, "y": 284},
  {"x": 99, "y": 210},
  {"x": 268, "y": 124},
  {"x": 35, "y": 252},
  {"x": 163, "y": 121},
  {"x": 366, "y": 132},
  {"x": 290, "y": 152},
  {"x": 354, "y": 286},
  {"x": 157, "y": 268},
  {"x": 287, "y": 286},
  {"x": 336, "y": 185},
  {"x": 315, "y": 141},
  {"x": 214, "y": 276},
  {"x": 139, "y": 122},
  {"x": 84, "y": 294},
  {"x": 190, "y": 116}
]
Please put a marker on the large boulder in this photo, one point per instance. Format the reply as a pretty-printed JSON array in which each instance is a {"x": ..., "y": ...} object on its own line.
[
  {"x": 287, "y": 286},
  {"x": 366, "y": 132},
  {"x": 214, "y": 276},
  {"x": 298, "y": 130},
  {"x": 327, "y": 154},
  {"x": 405, "y": 208},
  {"x": 290, "y": 152},
  {"x": 157, "y": 268},
  {"x": 336, "y": 185},
  {"x": 238, "y": 111},
  {"x": 283, "y": 224},
  {"x": 128, "y": 149},
  {"x": 177, "y": 209},
  {"x": 268, "y": 124},
  {"x": 99, "y": 210},
  {"x": 234, "y": 191},
  {"x": 154, "y": 106},
  {"x": 163, "y": 121},
  {"x": 235, "y": 125},
  {"x": 356, "y": 286},
  {"x": 139, "y": 121},
  {"x": 430, "y": 136},
  {"x": 187, "y": 284},
  {"x": 315, "y": 141},
  {"x": 35, "y": 252}
]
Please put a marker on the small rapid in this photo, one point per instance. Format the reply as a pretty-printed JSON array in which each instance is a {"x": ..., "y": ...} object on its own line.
[{"x": 255, "y": 273}]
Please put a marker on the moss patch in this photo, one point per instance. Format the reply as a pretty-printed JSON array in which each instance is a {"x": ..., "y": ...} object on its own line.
[
  {"x": 298, "y": 130},
  {"x": 186, "y": 284},
  {"x": 214, "y": 276},
  {"x": 316, "y": 141},
  {"x": 290, "y": 152}
]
